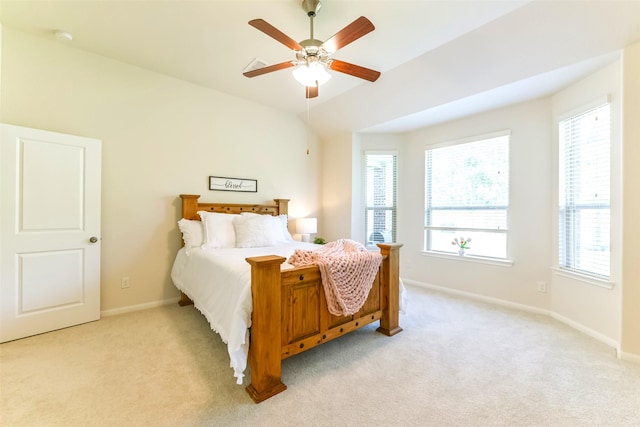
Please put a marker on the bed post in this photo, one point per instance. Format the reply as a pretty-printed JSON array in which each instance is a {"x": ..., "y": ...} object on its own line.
[
  {"x": 265, "y": 347},
  {"x": 189, "y": 211},
  {"x": 390, "y": 284},
  {"x": 283, "y": 206},
  {"x": 190, "y": 206}
]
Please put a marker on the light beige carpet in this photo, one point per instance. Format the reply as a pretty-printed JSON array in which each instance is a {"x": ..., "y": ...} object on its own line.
[{"x": 457, "y": 363}]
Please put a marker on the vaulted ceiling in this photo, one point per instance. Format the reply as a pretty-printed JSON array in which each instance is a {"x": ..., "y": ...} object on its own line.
[{"x": 439, "y": 59}]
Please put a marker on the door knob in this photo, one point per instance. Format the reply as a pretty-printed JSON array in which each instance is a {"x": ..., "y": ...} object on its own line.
[{"x": 93, "y": 239}]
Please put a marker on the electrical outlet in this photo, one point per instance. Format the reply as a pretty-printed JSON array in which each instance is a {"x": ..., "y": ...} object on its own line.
[
  {"x": 542, "y": 286},
  {"x": 124, "y": 282}
]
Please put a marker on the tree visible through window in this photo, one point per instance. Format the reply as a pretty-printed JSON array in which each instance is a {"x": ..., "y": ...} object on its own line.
[
  {"x": 380, "y": 194},
  {"x": 467, "y": 196}
]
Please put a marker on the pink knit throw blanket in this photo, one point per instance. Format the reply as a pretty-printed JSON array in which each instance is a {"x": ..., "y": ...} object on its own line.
[{"x": 347, "y": 269}]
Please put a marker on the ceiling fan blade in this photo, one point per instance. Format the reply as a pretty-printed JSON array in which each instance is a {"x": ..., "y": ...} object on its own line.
[
  {"x": 275, "y": 33},
  {"x": 269, "y": 69},
  {"x": 348, "y": 34},
  {"x": 311, "y": 91},
  {"x": 354, "y": 70}
]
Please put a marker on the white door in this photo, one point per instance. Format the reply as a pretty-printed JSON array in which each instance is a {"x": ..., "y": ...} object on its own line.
[{"x": 49, "y": 231}]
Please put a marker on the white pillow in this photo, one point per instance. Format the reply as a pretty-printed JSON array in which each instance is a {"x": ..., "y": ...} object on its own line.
[
  {"x": 278, "y": 224},
  {"x": 191, "y": 233},
  {"x": 255, "y": 231},
  {"x": 218, "y": 230},
  {"x": 282, "y": 221}
]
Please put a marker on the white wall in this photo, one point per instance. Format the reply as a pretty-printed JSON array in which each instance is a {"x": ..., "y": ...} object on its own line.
[
  {"x": 610, "y": 315},
  {"x": 532, "y": 246},
  {"x": 342, "y": 198},
  {"x": 160, "y": 137},
  {"x": 529, "y": 244},
  {"x": 631, "y": 206},
  {"x": 337, "y": 187},
  {"x": 593, "y": 307}
]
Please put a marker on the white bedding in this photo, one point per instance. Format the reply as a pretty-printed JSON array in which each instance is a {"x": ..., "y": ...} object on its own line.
[{"x": 219, "y": 283}]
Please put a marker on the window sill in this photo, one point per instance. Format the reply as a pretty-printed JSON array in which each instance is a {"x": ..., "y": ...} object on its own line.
[
  {"x": 470, "y": 258},
  {"x": 584, "y": 278}
]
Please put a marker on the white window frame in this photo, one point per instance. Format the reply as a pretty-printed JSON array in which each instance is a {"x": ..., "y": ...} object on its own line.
[
  {"x": 567, "y": 257},
  {"x": 463, "y": 231},
  {"x": 390, "y": 235}
]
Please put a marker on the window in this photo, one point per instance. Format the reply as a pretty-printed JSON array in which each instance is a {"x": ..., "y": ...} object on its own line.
[
  {"x": 584, "y": 192},
  {"x": 381, "y": 170},
  {"x": 467, "y": 196}
]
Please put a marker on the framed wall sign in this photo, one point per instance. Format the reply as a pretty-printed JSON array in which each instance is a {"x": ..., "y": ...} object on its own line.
[{"x": 221, "y": 183}]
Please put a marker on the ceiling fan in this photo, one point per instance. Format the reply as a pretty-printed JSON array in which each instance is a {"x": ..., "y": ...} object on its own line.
[{"x": 313, "y": 57}]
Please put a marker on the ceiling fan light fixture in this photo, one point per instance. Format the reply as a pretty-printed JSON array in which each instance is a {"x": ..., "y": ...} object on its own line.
[{"x": 309, "y": 74}]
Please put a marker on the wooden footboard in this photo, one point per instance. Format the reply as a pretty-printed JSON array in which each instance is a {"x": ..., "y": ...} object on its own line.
[{"x": 290, "y": 314}]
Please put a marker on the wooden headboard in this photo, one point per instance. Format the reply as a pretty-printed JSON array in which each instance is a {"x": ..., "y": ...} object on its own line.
[{"x": 190, "y": 207}]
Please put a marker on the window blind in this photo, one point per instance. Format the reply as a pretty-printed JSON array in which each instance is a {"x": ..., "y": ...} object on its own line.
[
  {"x": 467, "y": 195},
  {"x": 584, "y": 192},
  {"x": 381, "y": 170}
]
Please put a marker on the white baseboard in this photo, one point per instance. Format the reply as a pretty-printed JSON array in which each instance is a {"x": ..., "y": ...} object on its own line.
[
  {"x": 578, "y": 326},
  {"x": 138, "y": 307},
  {"x": 629, "y": 357},
  {"x": 587, "y": 331},
  {"x": 471, "y": 295}
]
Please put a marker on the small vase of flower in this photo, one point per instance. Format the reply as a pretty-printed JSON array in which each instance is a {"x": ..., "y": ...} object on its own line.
[{"x": 462, "y": 243}]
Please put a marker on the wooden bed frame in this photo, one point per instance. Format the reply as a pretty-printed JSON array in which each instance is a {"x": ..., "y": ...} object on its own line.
[{"x": 290, "y": 312}]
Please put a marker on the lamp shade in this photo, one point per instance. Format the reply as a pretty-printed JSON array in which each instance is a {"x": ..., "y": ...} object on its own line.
[
  {"x": 309, "y": 74},
  {"x": 306, "y": 225}
]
